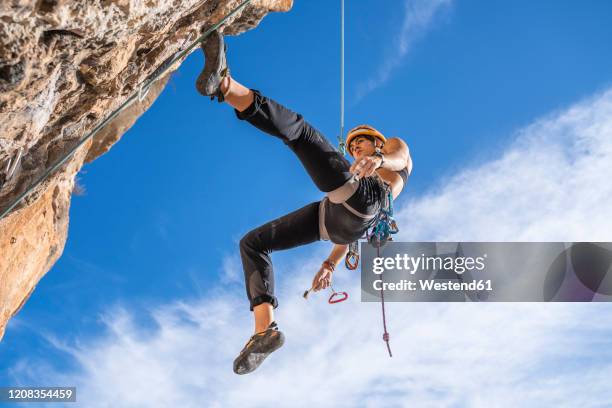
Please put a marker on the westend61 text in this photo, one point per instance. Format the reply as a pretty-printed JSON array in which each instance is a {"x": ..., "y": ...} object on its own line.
[{"x": 433, "y": 285}]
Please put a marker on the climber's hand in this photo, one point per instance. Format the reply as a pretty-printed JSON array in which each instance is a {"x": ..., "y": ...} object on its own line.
[
  {"x": 365, "y": 166},
  {"x": 322, "y": 278}
]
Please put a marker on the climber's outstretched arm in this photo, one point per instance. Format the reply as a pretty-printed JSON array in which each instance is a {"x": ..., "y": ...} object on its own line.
[
  {"x": 323, "y": 277},
  {"x": 338, "y": 253},
  {"x": 397, "y": 155}
]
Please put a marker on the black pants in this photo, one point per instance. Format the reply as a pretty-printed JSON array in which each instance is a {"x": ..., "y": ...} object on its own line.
[{"x": 327, "y": 168}]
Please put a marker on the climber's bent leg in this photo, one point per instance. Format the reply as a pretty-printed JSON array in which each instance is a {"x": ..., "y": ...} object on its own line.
[
  {"x": 263, "y": 314},
  {"x": 326, "y": 166},
  {"x": 294, "y": 229},
  {"x": 297, "y": 228}
]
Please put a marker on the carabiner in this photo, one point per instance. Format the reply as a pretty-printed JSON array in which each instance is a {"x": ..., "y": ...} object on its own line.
[
  {"x": 351, "y": 261},
  {"x": 342, "y": 296}
]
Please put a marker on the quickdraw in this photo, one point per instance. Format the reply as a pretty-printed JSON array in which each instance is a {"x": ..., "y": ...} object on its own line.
[
  {"x": 351, "y": 261},
  {"x": 384, "y": 225},
  {"x": 335, "y": 297}
]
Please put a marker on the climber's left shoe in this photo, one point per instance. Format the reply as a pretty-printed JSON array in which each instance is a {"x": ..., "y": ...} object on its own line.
[
  {"x": 215, "y": 68},
  {"x": 259, "y": 346}
]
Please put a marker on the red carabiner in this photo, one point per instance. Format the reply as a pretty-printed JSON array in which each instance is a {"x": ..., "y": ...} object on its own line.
[{"x": 342, "y": 296}]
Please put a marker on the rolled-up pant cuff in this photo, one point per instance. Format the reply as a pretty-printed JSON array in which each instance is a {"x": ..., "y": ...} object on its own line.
[{"x": 264, "y": 299}]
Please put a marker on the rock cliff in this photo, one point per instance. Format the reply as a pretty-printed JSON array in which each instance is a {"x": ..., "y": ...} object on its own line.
[{"x": 64, "y": 66}]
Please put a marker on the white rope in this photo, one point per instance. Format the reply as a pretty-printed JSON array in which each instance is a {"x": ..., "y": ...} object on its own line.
[{"x": 341, "y": 144}]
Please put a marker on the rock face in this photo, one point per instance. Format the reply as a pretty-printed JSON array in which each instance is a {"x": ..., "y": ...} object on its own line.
[{"x": 64, "y": 66}]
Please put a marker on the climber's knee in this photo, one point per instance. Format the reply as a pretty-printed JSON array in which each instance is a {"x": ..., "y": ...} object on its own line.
[
  {"x": 247, "y": 240},
  {"x": 250, "y": 242}
]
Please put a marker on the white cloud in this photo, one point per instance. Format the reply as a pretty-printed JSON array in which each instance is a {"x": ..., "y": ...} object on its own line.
[
  {"x": 550, "y": 184},
  {"x": 231, "y": 271},
  {"x": 418, "y": 18}
]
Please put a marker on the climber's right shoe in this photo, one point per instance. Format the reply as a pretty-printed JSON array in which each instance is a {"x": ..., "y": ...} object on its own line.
[
  {"x": 215, "y": 68},
  {"x": 259, "y": 346}
]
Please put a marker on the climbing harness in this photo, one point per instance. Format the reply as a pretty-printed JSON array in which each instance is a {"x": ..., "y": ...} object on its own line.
[
  {"x": 384, "y": 224},
  {"x": 139, "y": 94}
]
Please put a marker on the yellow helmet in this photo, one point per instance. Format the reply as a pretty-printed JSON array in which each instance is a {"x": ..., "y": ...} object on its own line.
[{"x": 360, "y": 131}]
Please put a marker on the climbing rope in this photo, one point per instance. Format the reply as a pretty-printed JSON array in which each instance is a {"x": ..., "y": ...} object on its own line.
[
  {"x": 341, "y": 141},
  {"x": 381, "y": 232},
  {"x": 139, "y": 94},
  {"x": 382, "y": 305},
  {"x": 383, "y": 226}
]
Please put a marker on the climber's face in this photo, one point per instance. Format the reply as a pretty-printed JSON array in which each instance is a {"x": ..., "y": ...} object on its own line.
[{"x": 362, "y": 146}]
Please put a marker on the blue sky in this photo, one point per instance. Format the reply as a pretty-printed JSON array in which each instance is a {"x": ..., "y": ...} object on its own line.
[{"x": 460, "y": 81}]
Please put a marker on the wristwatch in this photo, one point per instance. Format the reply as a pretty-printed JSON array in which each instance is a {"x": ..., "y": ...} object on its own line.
[{"x": 382, "y": 157}]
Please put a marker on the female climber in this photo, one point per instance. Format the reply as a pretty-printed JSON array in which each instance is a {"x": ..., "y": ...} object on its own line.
[{"x": 354, "y": 193}]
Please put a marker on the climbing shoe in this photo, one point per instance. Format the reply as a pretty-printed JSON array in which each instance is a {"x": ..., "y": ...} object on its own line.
[
  {"x": 215, "y": 67},
  {"x": 259, "y": 346}
]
